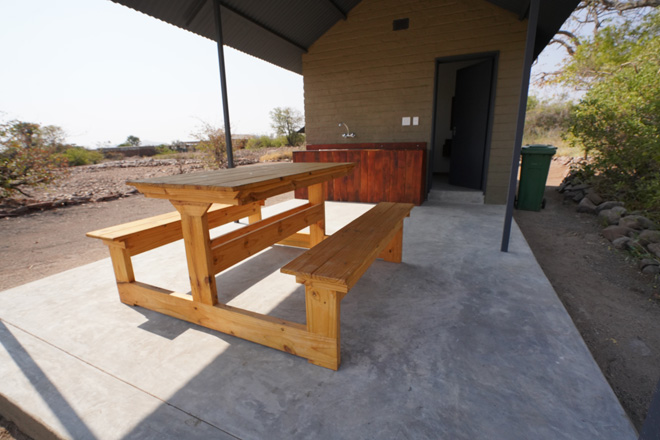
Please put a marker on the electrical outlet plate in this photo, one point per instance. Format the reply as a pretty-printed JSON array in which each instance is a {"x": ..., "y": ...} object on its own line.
[
  {"x": 415, "y": 120},
  {"x": 405, "y": 120}
]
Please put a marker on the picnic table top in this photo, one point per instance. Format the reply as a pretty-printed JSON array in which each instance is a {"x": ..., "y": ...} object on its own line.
[{"x": 241, "y": 185}]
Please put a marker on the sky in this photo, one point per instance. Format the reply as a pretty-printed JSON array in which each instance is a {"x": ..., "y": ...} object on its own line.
[{"x": 104, "y": 72}]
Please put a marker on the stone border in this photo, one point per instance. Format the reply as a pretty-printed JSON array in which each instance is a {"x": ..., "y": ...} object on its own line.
[{"x": 629, "y": 231}]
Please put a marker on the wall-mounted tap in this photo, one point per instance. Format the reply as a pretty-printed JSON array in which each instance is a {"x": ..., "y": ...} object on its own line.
[{"x": 348, "y": 134}]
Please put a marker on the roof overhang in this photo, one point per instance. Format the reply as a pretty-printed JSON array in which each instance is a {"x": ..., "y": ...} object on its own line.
[{"x": 279, "y": 32}]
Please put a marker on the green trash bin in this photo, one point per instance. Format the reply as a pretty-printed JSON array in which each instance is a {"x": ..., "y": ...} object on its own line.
[{"x": 533, "y": 175}]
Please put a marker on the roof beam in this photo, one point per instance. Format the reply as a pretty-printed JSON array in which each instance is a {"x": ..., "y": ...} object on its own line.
[
  {"x": 192, "y": 12},
  {"x": 196, "y": 7},
  {"x": 264, "y": 27},
  {"x": 524, "y": 11},
  {"x": 338, "y": 9}
]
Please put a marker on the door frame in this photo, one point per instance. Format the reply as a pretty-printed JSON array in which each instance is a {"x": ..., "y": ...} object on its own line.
[{"x": 495, "y": 55}]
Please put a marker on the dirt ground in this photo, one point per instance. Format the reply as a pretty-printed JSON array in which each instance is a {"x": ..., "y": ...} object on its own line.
[{"x": 614, "y": 306}]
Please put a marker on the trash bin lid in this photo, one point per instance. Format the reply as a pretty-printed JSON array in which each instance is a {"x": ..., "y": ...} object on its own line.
[{"x": 539, "y": 149}]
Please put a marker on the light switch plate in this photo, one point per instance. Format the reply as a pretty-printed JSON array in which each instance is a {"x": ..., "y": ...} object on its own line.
[
  {"x": 405, "y": 120},
  {"x": 415, "y": 120}
]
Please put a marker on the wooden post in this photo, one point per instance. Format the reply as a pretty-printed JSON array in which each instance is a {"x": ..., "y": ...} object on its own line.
[
  {"x": 195, "y": 228},
  {"x": 257, "y": 215},
  {"x": 316, "y": 196},
  {"x": 323, "y": 319}
]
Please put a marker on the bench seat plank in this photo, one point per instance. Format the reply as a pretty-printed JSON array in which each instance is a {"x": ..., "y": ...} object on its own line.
[
  {"x": 342, "y": 258},
  {"x": 149, "y": 233}
]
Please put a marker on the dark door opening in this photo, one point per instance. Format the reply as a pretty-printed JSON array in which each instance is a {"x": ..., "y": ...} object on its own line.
[{"x": 463, "y": 112}]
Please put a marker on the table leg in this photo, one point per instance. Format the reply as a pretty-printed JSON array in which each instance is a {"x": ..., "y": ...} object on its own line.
[
  {"x": 316, "y": 196},
  {"x": 195, "y": 228}
]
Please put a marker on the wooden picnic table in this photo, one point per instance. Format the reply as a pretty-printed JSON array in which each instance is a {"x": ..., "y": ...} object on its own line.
[{"x": 206, "y": 200}]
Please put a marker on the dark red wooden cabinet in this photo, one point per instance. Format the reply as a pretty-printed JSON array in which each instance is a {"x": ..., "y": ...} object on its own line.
[{"x": 384, "y": 172}]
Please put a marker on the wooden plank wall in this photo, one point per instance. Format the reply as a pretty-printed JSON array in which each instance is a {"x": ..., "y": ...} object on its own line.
[{"x": 380, "y": 175}]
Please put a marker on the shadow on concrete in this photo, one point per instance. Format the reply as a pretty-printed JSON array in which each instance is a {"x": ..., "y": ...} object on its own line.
[
  {"x": 231, "y": 284},
  {"x": 59, "y": 406}
]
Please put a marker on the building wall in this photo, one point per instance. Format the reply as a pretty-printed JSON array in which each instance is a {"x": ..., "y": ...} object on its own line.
[{"x": 368, "y": 76}]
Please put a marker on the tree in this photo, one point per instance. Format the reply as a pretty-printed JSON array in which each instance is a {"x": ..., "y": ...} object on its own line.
[
  {"x": 131, "y": 141},
  {"x": 27, "y": 155},
  {"x": 618, "y": 119},
  {"x": 596, "y": 13},
  {"x": 589, "y": 17},
  {"x": 287, "y": 122},
  {"x": 212, "y": 143}
]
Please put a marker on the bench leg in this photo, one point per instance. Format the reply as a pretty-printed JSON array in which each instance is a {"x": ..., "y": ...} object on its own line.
[
  {"x": 394, "y": 250},
  {"x": 316, "y": 196},
  {"x": 121, "y": 263},
  {"x": 323, "y": 319}
]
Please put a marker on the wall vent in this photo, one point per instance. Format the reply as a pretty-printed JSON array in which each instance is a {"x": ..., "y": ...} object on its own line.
[{"x": 400, "y": 24}]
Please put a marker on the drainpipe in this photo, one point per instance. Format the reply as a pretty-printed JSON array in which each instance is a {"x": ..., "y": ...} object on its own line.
[
  {"x": 223, "y": 82},
  {"x": 532, "y": 22}
]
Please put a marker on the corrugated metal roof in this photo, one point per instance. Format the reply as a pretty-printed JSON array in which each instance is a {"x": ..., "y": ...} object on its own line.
[
  {"x": 280, "y": 31},
  {"x": 275, "y": 31}
]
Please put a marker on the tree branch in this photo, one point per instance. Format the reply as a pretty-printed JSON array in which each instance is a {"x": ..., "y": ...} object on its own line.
[
  {"x": 570, "y": 49},
  {"x": 631, "y": 4}
]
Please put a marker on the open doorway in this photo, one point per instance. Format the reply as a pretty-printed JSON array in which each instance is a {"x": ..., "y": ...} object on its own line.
[{"x": 463, "y": 112}]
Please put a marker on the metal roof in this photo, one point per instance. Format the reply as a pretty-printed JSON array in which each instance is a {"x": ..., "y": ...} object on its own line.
[{"x": 281, "y": 31}]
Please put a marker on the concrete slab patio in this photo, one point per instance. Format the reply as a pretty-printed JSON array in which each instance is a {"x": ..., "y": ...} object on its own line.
[{"x": 460, "y": 341}]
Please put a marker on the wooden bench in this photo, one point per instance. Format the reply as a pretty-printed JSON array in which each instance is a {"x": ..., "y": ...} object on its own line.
[
  {"x": 129, "y": 239},
  {"x": 331, "y": 268}
]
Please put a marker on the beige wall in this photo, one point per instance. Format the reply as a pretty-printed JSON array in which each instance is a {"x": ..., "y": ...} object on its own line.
[{"x": 368, "y": 76}]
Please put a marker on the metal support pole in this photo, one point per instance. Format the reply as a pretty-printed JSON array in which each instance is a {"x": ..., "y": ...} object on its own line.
[
  {"x": 223, "y": 82},
  {"x": 532, "y": 22}
]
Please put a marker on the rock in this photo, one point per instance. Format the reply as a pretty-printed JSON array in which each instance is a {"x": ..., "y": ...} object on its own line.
[
  {"x": 637, "y": 222},
  {"x": 654, "y": 248},
  {"x": 586, "y": 205},
  {"x": 580, "y": 187},
  {"x": 578, "y": 196},
  {"x": 648, "y": 236},
  {"x": 594, "y": 197},
  {"x": 648, "y": 262},
  {"x": 569, "y": 194},
  {"x": 640, "y": 348},
  {"x": 646, "y": 223},
  {"x": 653, "y": 270},
  {"x": 609, "y": 216},
  {"x": 608, "y": 205},
  {"x": 614, "y": 232},
  {"x": 630, "y": 221},
  {"x": 562, "y": 186},
  {"x": 621, "y": 242}
]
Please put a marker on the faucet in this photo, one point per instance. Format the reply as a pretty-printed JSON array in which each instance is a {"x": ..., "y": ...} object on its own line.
[{"x": 348, "y": 134}]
